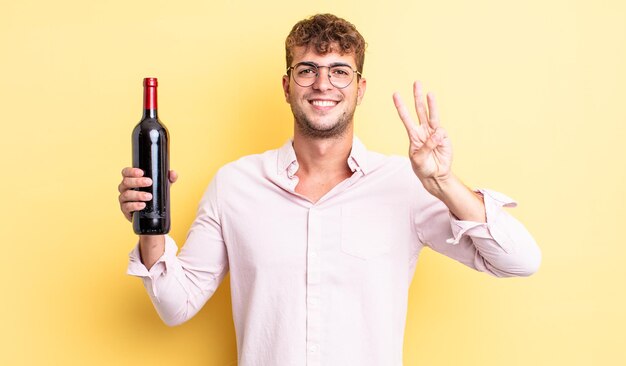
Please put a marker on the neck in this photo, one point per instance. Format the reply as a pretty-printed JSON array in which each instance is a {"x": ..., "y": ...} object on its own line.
[{"x": 323, "y": 156}]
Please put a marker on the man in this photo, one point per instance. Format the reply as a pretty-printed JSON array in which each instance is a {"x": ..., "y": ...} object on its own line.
[{"x": 321, "y": 236}]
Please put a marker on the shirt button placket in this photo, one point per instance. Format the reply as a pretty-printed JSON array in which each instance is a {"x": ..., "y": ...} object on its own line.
[{"x": 313, "y": 289}]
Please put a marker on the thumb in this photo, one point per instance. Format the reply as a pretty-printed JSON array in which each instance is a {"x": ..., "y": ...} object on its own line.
[{"x": 173, "y": 176}]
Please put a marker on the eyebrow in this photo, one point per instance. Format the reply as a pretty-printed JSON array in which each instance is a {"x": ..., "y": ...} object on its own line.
[{"x": 331, "y": 65}]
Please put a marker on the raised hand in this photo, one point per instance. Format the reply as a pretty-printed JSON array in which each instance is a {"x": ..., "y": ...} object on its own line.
[{"x": 430, "y": 149}]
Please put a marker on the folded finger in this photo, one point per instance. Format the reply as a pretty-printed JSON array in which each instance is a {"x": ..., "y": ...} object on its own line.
[
  {"x": 130, "y": 183},
  {"x": 134, "y": 196},
  {"x": 132, "y": 172},
  {"x": 129, "y": 207}
]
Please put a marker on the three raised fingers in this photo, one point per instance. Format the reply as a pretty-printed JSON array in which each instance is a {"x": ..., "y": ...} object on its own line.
[{"x": 429, "y": 117}]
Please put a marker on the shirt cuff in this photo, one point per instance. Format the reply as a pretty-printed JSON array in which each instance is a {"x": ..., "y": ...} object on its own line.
[
  {"x": 136, "y": 268},
  {"x": 494, "y": 201}
]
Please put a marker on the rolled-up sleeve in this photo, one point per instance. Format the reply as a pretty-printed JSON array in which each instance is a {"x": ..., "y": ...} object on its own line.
[
  {"x": 501, "y": 247},
  {"x": 167, "y": 262},
  {"x": 179, "y": 285}
]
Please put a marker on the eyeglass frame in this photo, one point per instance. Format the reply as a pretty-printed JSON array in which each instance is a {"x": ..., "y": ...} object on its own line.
[{"x": 317, "y": 74}]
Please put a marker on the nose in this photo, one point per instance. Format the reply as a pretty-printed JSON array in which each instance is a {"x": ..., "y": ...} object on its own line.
[{"x": 322, "y": 81}]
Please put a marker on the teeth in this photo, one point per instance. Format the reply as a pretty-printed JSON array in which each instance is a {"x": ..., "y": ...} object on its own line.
[{"x": 323, "y": 103}]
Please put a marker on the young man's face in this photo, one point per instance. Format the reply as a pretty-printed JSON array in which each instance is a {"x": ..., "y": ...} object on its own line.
[{"x": 323, "y": 110}]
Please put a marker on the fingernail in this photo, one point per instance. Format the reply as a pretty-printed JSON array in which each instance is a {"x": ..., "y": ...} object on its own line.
[{"x": 148, "y": 196}]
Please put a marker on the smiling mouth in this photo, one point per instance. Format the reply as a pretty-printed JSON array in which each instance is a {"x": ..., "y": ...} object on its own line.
[{"x": 323, "y": 103}]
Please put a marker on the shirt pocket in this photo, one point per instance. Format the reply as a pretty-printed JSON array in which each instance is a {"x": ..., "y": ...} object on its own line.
[{"x": 366, "y": 233}]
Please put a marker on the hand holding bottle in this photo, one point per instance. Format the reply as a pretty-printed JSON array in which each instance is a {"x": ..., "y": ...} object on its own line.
[
  {"x": 133, "y": 200},
  {"x": 151, "y": 247}
]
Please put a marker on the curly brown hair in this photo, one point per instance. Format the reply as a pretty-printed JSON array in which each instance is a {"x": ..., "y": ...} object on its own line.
[{"x": 324, "y": 32}]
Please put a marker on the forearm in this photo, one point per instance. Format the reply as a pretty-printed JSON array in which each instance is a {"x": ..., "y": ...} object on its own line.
[
  {"x": 464, "y": 203},
  {"x": 177, "y": 285},
  {"x": 151, "y": 248},
  {"x": 503, "y": 248}
]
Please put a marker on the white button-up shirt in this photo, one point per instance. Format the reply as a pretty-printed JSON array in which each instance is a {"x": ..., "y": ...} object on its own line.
[{"x": 323, "y": 283}]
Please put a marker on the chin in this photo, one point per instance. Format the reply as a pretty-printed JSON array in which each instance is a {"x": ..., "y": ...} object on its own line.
[
  {"x": 322, "y": 130},
  {"x": 334, "y": 124}
]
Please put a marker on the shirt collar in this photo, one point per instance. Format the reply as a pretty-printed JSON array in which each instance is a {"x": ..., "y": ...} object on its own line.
[{"x": 288, "y": 163}]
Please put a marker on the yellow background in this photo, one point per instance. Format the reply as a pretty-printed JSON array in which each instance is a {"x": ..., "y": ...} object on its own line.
[{"x": 531, "y": 92}]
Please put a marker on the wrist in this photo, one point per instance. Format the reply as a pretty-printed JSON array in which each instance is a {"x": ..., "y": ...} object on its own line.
[
  {"x": 439, "y": 186},
  {"x": 462, "y": 202},
  {"x": 151, "y": 248},
  {"x": 151, "y": 241}
]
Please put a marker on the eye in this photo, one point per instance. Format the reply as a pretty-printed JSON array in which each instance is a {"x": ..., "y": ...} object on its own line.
[
  {"x": 341, "y": 71},
  {"x": 306, "y": 71}
]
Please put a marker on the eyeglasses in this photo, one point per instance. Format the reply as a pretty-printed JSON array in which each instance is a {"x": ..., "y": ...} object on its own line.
[{"x": 305, "y": 74}]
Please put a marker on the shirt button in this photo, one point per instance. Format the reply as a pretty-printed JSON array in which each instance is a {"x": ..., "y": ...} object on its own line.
[
  {"x": 313, "y": 301},
  {"x": 313, "y": 349},
  {"x": 313, "y": 254}
]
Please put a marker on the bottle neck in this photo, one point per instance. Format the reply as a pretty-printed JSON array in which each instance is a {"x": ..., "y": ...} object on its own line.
[
  {"x": 150, "y": 113},
  {"x": 150, "y": 101}
]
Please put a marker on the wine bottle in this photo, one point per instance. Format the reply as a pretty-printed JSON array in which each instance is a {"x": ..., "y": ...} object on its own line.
[{"x": 150, "y": 140}]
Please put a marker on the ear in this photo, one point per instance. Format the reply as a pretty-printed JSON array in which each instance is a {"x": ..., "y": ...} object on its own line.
[
  {"x": 286, "y": 87},
  {"x": 361, "y": 90}
]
